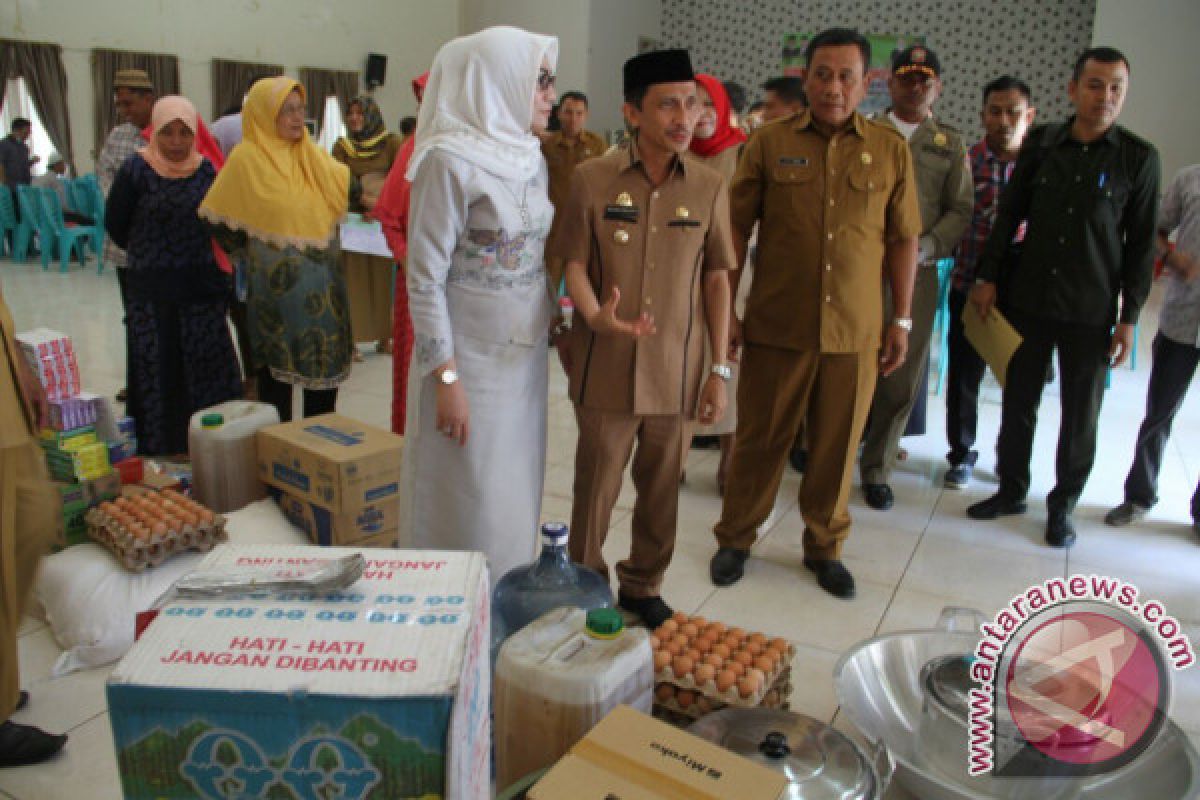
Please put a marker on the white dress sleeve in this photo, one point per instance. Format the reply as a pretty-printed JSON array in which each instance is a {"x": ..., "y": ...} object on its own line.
[{"x": 437, "y": 219}]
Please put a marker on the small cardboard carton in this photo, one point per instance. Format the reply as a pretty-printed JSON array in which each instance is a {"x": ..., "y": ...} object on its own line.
[
  {"x": 347, "y": 472},
  {"x": 380, "y": 690},
  {"x": 630, "y": 756}
]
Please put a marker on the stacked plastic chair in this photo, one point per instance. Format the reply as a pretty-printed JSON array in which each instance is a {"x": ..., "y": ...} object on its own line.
[
  {"x": 33, "y": 221},
  {"x": 8, "y": 221},
  {"x": 68, "y": 239}
]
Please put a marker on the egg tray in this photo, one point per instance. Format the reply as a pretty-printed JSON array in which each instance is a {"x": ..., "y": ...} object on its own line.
[
  {"x": 777, "y": 697},
  {"x": 137, "y": 547},
  {"x": 678, "y": 631}
]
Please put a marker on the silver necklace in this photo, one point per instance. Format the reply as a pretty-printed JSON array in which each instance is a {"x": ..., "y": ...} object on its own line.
[{"x": 522, "y": 203}]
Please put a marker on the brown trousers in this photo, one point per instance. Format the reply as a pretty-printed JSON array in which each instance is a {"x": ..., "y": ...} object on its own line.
[
  {"x": 28, "y": 525},
  {"x": 896, "y": 394},
  {"x": 369, "y": 292},
  {"x": 828, "y": 394},
  {"x": 606, "y": 442}
]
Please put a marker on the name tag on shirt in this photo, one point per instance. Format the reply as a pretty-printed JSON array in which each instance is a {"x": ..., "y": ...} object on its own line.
[
  {"x": 621, "y": 213},
  {"x": 793, "y": 162},
  {"x": 684, "y": 223}
]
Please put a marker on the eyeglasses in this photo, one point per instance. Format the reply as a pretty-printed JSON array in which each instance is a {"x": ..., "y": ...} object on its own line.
[
  {"x": 292, "y": 109},
  {"x": 545, "y": 80}
]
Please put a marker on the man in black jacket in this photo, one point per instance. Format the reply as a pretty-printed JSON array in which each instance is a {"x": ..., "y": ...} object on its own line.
[{"x": 1088, "y": 191}]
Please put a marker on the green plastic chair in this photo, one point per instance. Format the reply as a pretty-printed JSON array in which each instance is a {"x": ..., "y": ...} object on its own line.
[
  {"x": 8, "y": 221},
  {"x": 33, "y": 221},
  {"x": 941, "y": 321},
  {"x": 68, "y": 239}
]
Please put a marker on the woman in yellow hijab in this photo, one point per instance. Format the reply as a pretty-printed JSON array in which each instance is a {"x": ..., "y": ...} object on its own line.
[{"x": 276, "y": 207}]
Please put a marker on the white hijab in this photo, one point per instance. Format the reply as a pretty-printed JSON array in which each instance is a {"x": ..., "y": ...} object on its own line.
[{"x": 478, "y": 103}]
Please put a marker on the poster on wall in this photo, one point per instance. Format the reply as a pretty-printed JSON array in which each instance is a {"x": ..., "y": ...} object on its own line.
[{"x": 883, "y": 47}]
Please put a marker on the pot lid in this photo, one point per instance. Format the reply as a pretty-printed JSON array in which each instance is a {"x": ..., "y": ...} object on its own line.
[
  {"x": 947, "y": 680},
  {"x": 818, "y": 761}
]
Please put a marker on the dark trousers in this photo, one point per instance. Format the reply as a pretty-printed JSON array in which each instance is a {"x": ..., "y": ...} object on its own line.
[
  {"x": 279, "y": 394},
  {"x": 1082, "y": 365},
  {"x": 1172, "y": 371},
  {"x": 964, "y": 375}
]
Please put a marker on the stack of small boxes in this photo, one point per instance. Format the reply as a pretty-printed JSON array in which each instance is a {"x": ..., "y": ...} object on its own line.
[{"x": 76, "y": 455}]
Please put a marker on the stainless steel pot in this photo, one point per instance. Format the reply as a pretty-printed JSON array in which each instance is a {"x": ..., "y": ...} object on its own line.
[
  {"x": 882, "y": 687},
  {"x": 820, "y": 763}
]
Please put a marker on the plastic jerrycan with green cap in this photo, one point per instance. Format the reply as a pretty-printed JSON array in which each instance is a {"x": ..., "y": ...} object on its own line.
[
  {"x": 560, "y": 675},
  {"x": 221, "y": 443}
]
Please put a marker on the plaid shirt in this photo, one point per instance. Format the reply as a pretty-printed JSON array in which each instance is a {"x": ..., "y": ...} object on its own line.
[
  {"x": 123, "y": 141},
  {"x": 990, "y": 175}
]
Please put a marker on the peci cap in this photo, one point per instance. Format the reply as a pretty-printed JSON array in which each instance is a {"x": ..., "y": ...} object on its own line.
[
  {"x": 917, "y": 58},
  {"x": 132, "y": 79},
  {"x": 658, "y": 66}
]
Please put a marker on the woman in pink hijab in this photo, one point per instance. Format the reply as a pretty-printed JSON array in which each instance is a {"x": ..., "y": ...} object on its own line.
[{"x": 180, "y": 354}]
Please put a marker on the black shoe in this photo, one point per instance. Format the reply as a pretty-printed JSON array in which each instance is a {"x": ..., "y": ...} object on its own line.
[
  {"x": 123, "y": 396},
  {"x": 706, "y": 443},
  {"x": 798, "y": 458},
  {"x": 998, "y": 505},
  {"x": 725, "y": 569},
  {"x": 652, "y": 610},
  {"x": 21, "y": 745},
  {"x": 879, "y": 496},
  {"x": 1060, "y": 531},
  {"x": 832, "y": 576},
  {"x": 22, "y": 700}
]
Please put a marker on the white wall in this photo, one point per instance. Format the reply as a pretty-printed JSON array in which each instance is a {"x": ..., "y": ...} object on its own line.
[
  {"x": 566, "y": 19},
  {"x": 1163, "y": 105},
  {"x": 615, "y": 28},
  {"x": 294, "y": 33}
]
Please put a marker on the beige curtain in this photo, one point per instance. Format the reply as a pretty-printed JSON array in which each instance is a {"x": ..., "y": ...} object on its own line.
[
  {"x": 322, "y": 83},
  {"x": 45, "y": 77},
  {"x": 231, "y": 80},
  {"x": 162, "y": 69}
]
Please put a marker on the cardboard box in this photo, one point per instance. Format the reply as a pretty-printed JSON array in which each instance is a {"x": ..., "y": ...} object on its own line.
[
  {"x": 630, "y": 756},
  {"x": 325, "y": 527},
  {"x": 340, "y": 476},
  {"x": 51, "y": 356},
  {"x": 378, "y": 691}
]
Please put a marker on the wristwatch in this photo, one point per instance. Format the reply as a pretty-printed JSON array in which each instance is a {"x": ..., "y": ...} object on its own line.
[
  {"x": 448, "y": 377},
  {"x": 723, "y": 371},
  {"x": 903, "y": 322}
]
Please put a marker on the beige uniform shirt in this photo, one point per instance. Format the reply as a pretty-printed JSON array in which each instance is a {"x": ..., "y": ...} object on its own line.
[
  {"x": 826, "y": 207},
  {"x": 655, "y": 244},
  {"x": 562, "y": 156},
  {"x": 945, "y": 191}
]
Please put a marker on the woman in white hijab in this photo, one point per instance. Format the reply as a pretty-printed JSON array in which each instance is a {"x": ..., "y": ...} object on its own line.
[{"x": 475, "y": 454}]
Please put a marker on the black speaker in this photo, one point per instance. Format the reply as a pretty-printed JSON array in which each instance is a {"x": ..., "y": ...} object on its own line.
[{"x": 376, "y": 69}]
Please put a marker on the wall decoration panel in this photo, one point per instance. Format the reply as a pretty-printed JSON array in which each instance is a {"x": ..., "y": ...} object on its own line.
[{"x": 976, "y": 40}]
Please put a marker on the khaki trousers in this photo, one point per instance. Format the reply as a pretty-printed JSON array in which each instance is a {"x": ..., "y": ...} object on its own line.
[
  {"x": 896, "y": 394},
  {"x": 606, "y": 442},
  {"x": 28, "y": 525},
  {"x": 369, "y": 292},
  {"x": 829, "y": 394}
]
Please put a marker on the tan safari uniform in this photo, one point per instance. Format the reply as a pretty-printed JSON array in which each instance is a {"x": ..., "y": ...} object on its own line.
[
  {"x": 562, "y": 156},
  {"x": 826, "y": 207},
  {"x": 946, "y": 195},
  {"x": 28, "y": 510},
  {"x": 654, "y": 244}
]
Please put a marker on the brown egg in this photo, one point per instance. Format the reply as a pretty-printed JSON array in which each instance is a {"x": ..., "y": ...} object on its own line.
[
  {"x": 737, "y": 668},
  {"x": 159, "y": 529},
  {"x": 685, "y": 698},
  {"x": 748, "y": 685},
  {"x": 108, "y": 507},
  {"x": 717, "y": 627},
  {"x": 765, "y": 663},
  {"x": 654, "y": 642},
  {"x": 682, "y": 641},
  {"x": 737, "y": 632},
  {"x": 695, "y": 655},
  {"x": 714, "y": 660},
  {"x": 704, "y": 673},
  {"x": 758, "y": 639},
  {"x": 743, "y": 658},
  {"x": 662, "y": 660},
  {"x": 779, "y": 645},
  {"x": 699, "y": 621},
  {"x": 689, "y": 630},
  {"x": 722, "y": 650},
  {"x": 725, "y": 680},
  {"x": 753, "y": 648},
  {"x": 205, "y": 515},
  {"x": 664, "y": 692},
  {"x": 667, "y": 629},
  {"x": 732, "y": 642},
  {"x": 680, "y": 618},
  {"x": 702, "y": 645},
  {"x": 681, "y": 666},
  {"x": 672, "y": 649}
]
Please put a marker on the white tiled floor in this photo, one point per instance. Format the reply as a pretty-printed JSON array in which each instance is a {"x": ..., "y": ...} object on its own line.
[{"x": 909, "y": 562}]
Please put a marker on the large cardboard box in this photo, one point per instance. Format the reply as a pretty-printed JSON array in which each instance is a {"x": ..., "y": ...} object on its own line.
[
  {"x": 355, "y": 527},
  {"x": 379, "y": 691},
  {"x": 630, "y": 756},
  {"x": 336, "y": 463}
]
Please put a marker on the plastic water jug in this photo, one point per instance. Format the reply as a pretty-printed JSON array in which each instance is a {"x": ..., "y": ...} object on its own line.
[
  {"x": 525, "y": 593},
  {"x": 559, "y": 676},
  {"x": 224, "y": 460}
]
